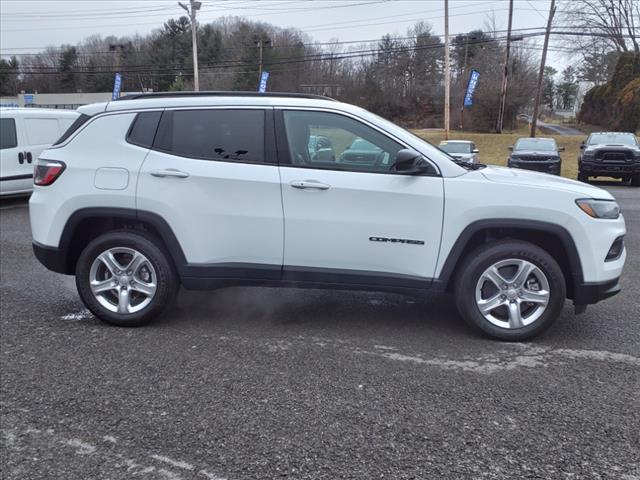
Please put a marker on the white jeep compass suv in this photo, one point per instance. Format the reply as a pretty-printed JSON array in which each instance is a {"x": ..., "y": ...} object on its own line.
[{"x": 208, "y": 190}]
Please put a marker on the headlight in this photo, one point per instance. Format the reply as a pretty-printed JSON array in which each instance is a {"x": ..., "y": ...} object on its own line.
[{"x": 599, "y": 208}]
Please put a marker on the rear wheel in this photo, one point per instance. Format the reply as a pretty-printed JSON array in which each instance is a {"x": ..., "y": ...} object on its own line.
[
  {"x": 510, "y": 290},
  {"x": 125, "y": 279}
]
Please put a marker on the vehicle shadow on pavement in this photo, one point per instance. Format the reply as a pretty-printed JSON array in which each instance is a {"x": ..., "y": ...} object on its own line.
[{"x": 294, "y": 309}]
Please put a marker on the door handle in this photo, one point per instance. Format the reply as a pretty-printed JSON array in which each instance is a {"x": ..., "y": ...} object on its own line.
[
  {"x": 169, "y": 172},
  {"x": 29, "y": 157},
  {"x": 21, "y": 157},
  {"x": 311, "y": 184}
]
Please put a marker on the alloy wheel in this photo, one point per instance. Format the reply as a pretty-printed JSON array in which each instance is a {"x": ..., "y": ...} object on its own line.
[
  {"x": 512, "y": 293},
  {"x": 123, "y": 280}
]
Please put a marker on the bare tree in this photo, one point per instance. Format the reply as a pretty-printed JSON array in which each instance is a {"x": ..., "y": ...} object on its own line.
[{"x": 615, "y": 21}]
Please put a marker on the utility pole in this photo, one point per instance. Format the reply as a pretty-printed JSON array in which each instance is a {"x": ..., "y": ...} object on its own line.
[
  {"x": 505, "y": 75},
  {"x": 536, "y": 105},
  {"x": 192, "y": 9},
  {"x": 447, "y": 73},
  {"x": 464, "y": 74},
  {"x": 261, "y": 43},
  {"x": 117, "y": 50}
]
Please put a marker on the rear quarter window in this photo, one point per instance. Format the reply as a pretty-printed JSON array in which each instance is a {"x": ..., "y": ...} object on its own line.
[
  {"x": 81, "y": 120},
  {"x": 143, "y": 129},
  {"x": 8, "y": 136}
]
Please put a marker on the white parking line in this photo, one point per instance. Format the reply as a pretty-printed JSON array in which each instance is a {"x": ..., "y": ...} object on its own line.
[
  {"x": 18, "y": 440},
  {"x": 174, "y": 463}
]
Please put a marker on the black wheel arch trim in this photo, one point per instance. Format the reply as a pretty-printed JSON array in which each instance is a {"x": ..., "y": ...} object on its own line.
[
  {"x": 456, "y": 253},
  {"x": 156, "y": 221}
]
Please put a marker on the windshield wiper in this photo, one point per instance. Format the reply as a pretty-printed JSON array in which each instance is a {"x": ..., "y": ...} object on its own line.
[{"x": 468, "y": 166}]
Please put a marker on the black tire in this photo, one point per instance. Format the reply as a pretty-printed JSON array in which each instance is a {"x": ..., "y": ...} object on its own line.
[
  {"x": 167, "y": 283},
  {"x": 475, "y": 264},
  {"x": 583, "y": 177},
  {"x": 635, "y": 180}
]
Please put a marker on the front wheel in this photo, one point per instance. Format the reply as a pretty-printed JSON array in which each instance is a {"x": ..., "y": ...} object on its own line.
[
  {"x": 635, "y": 180},
  {"x": 125, "y": 278},
  {"x": 583, "y": 177},
  {"x": 510, "y": 290}
]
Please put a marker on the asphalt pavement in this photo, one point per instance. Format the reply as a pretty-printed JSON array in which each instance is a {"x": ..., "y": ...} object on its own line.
[
  {"x": 256, "y": 383},
  {"x": 558, "y": 129}
]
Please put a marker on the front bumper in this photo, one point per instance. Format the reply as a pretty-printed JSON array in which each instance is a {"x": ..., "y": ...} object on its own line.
[
  {"x": 542, "y": 166},
  {"x": 605, "y": 169},
  {"x": 588, "y": 293}
]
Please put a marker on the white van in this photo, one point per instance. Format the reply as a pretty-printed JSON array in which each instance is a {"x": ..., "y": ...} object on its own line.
[{"x": 24, "y": 134}]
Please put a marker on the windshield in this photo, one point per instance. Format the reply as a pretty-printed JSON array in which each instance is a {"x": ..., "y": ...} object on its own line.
[
  {"x": 451, "y": 147},
  {"x": 540, "y": 144},
  {"x": 612, "y": 139}
]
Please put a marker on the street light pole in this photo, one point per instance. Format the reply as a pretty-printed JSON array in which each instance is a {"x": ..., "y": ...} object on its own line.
[{"x": 192, "y": 9}]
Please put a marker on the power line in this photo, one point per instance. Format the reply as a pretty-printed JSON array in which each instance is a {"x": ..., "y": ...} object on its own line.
[
  {"x": 307, "y": 57},
  {"x": 281, "y": 61},
  {"x": 82, "y": 27},
  {"x": 49, "y": 50},
  {"x": 310, "y": 28},
  {"x": 115, "y": 14}
]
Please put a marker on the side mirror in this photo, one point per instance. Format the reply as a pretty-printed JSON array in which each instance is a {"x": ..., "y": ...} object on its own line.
[
  {"x": 561, "y": 149},
  {"x": 410, "y": 162},
  {"x": 582, "y": 145},
  {"x": 475, "y": 150},
  {"x": 511, "y": 148}
]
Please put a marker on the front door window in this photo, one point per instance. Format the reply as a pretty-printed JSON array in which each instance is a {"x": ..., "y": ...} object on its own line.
[{"x": 330, "y": 141}]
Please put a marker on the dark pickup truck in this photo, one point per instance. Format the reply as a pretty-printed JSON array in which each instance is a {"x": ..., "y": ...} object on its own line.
[{"x": 610, "y": 154}]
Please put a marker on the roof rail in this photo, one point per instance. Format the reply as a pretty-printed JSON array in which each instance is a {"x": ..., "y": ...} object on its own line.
[{"x": 138, "y": 96}]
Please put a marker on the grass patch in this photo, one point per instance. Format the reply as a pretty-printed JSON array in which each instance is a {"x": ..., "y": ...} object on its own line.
[{"x": 494, "y": 147}]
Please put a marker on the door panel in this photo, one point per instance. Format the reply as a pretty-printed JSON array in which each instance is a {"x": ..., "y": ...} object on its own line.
[
  {"x": 364, "y": 221},
  {"x": 221, "y": 212},
  {"x": 39, "y": 134},
  {"x": 345, "y": 206},
  {"x": 16, "y": 174},
  {"x": 12, "y": 147},
  {"x": 222, "y": 208}
]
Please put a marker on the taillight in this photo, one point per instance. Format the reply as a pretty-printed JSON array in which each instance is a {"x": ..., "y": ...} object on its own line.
[{"x": 45, "y": 172}]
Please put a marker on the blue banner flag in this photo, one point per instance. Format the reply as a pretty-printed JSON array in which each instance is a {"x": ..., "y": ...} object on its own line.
[
  {"x": 117, "y": 84},
  {"x": 471, "y": 87},
  {"x": 263, "y": 82}
]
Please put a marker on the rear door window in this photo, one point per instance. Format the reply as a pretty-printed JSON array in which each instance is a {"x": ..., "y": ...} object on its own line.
[
  {"x": 8, "y": 136},
  {"x": 233, "y": 135}
]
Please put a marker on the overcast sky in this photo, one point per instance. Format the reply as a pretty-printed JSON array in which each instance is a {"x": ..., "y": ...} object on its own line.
[{"x": 28, "y": 26}]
